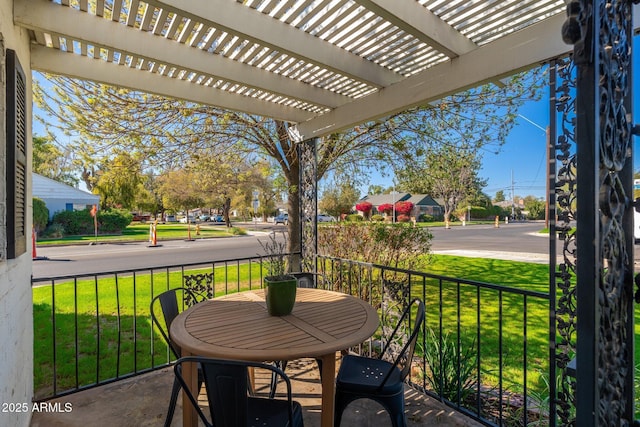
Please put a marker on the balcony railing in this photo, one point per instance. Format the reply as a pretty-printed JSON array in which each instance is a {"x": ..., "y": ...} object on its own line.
[{"x": 484, "y": 350}]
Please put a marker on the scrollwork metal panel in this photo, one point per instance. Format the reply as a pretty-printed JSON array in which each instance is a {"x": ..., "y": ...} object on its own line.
[
  {"x": 307, "y": 155},
  {"x": 600, "y": 32},
  {"x": 565, "y": 191}
]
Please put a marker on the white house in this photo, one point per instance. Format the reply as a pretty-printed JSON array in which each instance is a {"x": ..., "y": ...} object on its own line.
[{"x": 61, "y": 197}]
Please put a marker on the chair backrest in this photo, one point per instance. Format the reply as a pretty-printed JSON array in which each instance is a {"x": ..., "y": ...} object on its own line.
[
  {"x": 404, "y": 358},
  {"x": 306, "y": 280},
  {"x": 169, "y": 304},
  {"x": 226, "y": 384}
]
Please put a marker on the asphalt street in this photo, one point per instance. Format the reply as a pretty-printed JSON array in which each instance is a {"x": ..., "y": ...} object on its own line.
[{"x": 515, "y": 241}]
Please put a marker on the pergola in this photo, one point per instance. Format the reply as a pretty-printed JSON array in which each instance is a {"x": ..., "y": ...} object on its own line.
[{"x": 327, "y": 65}]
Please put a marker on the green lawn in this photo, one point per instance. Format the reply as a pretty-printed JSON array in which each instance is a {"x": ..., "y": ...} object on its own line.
[{"x": 138, "y": 232}]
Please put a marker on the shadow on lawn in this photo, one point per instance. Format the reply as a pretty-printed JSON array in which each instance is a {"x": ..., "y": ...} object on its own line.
[{"x": 88, "y": 349}]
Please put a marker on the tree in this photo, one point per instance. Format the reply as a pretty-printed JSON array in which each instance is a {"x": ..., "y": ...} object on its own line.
[
  {"x": 338, "y": 199},
  {"x": 119, "y": 181},
  {"x": 448, "y": 172},
  {"x": 499, "y": 196},
  {"x": 535, "y": 206},
  {"x": 170, "y": 132},
  {"x": 53, "y": 162},
  {"x": 181, "y": 190},
  {"x": 375, "y": 189},
  {"x": 40, "y": 215}
]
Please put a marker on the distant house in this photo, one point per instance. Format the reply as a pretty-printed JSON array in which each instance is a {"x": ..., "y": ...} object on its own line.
[
  {"x": 61, "y": 197},
  {"x": 422, "y": 203}
]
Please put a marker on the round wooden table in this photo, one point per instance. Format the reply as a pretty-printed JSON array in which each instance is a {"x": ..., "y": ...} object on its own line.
[{"x": 237, "y": 326}]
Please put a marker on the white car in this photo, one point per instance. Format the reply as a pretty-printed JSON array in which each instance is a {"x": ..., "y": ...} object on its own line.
[
  {"x": 325, "y": 218},
  {"x": 192, "y": 220}
]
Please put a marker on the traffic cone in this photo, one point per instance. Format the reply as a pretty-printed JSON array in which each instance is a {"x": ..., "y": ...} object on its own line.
[
  {"x": 34, "y": 256},
  {"x": 189, "y": 239},
  {"x": 33, "y": 243},
  {"x": 153, "y": 235}
]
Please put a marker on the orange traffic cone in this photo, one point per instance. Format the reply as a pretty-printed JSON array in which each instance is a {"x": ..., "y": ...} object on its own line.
[
  {"x": 33, "y": 243},
  {"x": 153, "y": 235}
]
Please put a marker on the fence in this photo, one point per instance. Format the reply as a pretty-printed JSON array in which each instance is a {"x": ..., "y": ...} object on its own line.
[{"x": 484, "y": 349}]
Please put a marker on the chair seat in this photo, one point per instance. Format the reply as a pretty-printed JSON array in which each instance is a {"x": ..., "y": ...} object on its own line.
[
  {"x": 268, "y": 412},
  {"x": 365, "y": 375}
]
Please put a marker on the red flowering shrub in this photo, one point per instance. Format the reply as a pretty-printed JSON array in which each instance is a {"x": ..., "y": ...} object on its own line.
[
  {"x": 403, "y": 218},
  {"x": 404, "y": 208},
  {"x": 365, "y": 208},
  {"x": 385, "y": 208}
]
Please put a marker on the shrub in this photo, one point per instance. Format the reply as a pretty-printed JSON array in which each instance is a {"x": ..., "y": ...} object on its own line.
[
  {"x": 395, "y": 245},
  {"x": 238, "y": 231},
  {"x": 385, "y": 208},
  {"x": 74, "y": 222},
  {"x": 54, "y": 231},
  {"x": 403, "y": 218},
  {"x": 354, "y": 218},
  {"x": 480, "y": 213},
  {"x": 377, "y": 218},
  {"x": 426, "y": 218},
  {"x": 40, "y": 215},
  {"x": 404, "y": 208},
  {"x": 113, "y": 220},
  {"x": 365, "y": 208}
]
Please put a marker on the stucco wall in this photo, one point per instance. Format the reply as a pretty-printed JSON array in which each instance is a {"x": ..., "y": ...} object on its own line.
[{"x": 16, "y": 308}]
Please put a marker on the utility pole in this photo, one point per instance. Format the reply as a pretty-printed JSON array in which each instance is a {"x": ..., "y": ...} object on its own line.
[{"x": 513, "y": 199}]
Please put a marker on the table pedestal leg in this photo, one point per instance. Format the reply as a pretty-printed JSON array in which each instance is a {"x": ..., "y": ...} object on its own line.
[
  {"x": 328, "y": 389},
  {"x": 251, "y": 372},
  {"x": 189, "y": 414}
]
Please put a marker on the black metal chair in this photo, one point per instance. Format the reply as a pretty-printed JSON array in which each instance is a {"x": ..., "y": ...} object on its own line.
[
  {"x": 169, "y": 304},
  {"x": 363, "y": 377},
  {"x": 230, "y": 405}
]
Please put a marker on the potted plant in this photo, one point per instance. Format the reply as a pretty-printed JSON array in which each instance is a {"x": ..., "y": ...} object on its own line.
[{"x": 279, "y": 286}]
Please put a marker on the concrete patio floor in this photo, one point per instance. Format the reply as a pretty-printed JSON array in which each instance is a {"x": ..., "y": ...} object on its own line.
[{"x": 142, "y": 401}]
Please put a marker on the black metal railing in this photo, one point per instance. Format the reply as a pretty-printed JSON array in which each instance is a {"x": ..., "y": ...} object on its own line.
[
  {"x": 93, "y": 329},
  {"x": 483, "y": 350}
]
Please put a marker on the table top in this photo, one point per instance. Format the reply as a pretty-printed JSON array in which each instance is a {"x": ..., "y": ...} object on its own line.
[{"x": 237, "y": 326}]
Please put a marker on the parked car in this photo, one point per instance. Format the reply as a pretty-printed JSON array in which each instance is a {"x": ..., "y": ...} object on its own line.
[
  {"x": 170, "y": 218},
  {"x": 204, "y": 218},
  {"x": 192, "y": 220},
  {"x": 142, "y": 217},
  {"x": 282, "y": 219},
  {"x": 217, "y": 218},
  {"x": 325, "y": 218}
]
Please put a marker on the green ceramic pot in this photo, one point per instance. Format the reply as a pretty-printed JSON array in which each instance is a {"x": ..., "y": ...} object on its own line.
[{"x": 280, "y": 294}]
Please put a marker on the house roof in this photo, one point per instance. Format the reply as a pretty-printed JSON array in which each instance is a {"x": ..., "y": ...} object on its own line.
[
  {"x": 323, "y": 65},
  {"x": 416, "y": 199},
  {"x": 379, "y": 199},
  {"x": 422, "y": 200},
  {"x": 49, "y": 189}
]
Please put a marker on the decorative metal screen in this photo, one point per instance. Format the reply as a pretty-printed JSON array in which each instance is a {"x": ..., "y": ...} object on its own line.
[
  {"x": 308, "y": 203},
  {"x": 599, "y": 310},
  {"x": 564, "y": 188}
]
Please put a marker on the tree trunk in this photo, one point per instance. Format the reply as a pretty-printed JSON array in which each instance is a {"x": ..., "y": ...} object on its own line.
[{"x": 225, "y": 211}]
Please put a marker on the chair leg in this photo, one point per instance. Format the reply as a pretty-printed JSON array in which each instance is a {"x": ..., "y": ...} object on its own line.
[
  {"x": 398, "y": 419},
  {"x": 319, "y": 362},
  {"x": 172, "y": 402},
  {"x": 281, "y": 364}
]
